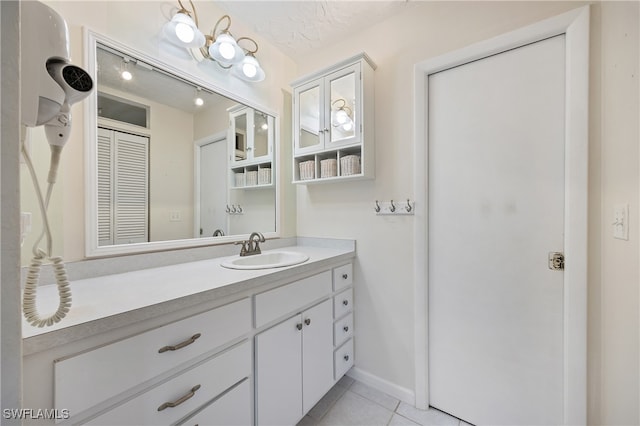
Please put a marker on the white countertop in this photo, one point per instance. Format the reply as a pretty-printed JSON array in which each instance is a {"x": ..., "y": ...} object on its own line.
[{"x": 109, "y": 301}]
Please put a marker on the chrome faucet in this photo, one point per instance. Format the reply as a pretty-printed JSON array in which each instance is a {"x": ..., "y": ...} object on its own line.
[{"x": 252, "y": 246}]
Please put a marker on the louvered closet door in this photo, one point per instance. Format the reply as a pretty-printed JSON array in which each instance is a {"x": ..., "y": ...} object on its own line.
[{"x": 123, "y": 188}]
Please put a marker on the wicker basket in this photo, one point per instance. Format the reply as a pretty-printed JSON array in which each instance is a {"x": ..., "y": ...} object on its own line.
[
  {"x": 239, "y": 177},
  {"x": 252, "y": 178},
  {"x": 264, "y": 176},
  {"x": 350, "y": 165},
  {"x": 328, "y": 168},
  {"x": 307, "y": 170}
]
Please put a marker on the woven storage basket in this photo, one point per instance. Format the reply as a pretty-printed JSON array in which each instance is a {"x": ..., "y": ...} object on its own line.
[
  {"x": 252, "y": 178},
  {"x": 239, "y": 179},
  {"x": 350, "y": 165},
  {"x": 328, "y": 168},
  {"x": 307, "y": 170},
  {"x": 264, "y": 176}
]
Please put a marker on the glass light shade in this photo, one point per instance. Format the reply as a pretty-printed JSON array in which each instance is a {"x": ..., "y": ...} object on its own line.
[
  {"x": 183, "y": 32},
  {"x": 341, "y": 116},
  {"x": 225, "y": 50},
  {"x": 348, "y": 126},
  {"x": 249, "y": 69}
]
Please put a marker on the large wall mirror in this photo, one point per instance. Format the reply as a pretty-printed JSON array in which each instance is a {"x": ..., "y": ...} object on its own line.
[{"x": 170, "y": 162}]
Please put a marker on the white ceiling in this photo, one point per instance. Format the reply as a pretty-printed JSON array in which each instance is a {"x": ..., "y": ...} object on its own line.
[{"x": 298, "y": 26}]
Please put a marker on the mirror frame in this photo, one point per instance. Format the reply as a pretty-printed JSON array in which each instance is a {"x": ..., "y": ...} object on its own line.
[{"x": 92, "y": 249}]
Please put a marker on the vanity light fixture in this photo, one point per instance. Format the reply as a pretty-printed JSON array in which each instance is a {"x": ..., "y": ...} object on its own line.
[
  {"x": 342, "y": 115},
  {"x": 182, "y": 30},
  {"x": 220, "y": 46}
]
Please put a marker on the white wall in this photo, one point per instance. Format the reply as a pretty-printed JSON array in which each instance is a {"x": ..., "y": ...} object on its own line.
[{"x": 384, "y": 287}]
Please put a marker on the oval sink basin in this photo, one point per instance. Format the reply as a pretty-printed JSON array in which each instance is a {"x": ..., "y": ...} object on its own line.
[{"x": 275, "y": 259}]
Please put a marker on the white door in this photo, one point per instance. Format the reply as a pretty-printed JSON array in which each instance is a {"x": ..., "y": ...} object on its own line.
[
  {"x": 496, "y": 209},
  {"x": 213, "y": 188},
  {"x": 317, "y": 353}
]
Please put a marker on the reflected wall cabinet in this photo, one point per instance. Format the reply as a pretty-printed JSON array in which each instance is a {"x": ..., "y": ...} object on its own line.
[
  {"x": 333, "y": 122},
  {"x": 251, "y": 135}
]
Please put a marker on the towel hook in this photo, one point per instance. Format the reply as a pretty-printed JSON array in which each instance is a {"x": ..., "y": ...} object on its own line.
[
  {"x": 239, "y": 209},
  {"x": 408, "y": 207},
  {"x": 228, "y": 209},
  {"x": 233, "y": 208},
  {"x": 377, "y": 207},
  {"x": 393, "y": 207}
]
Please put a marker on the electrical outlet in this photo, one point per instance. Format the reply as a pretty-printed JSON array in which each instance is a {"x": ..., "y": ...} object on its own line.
[
  {"x": 621, "y": 221},
  {"x": 175, "y": 216}
]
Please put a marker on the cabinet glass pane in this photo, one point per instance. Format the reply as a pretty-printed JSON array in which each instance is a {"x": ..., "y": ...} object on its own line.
[
  {"x": 261, "y": 135},
  {"x": 309, "y": 117},
  {"x": 343, "y": 107},
  {"x": 241, "y": 137}
]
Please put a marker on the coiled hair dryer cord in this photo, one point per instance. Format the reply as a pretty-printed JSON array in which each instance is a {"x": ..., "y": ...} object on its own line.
[{"x": 29, "y": 307}]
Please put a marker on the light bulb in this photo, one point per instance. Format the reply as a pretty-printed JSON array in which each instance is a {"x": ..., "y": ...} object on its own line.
[
  {"x": 348, "y": 126},
  {"x": 341, "y": 116},
  {"x": 126, "y": 75},
  {"x": 264, "y": 126},
  {"x": 198, "y": 101},
  {"x": 185, "y": 32},
  {"x": 226, "y": 50},
  {"x": 249, "y": 70}
]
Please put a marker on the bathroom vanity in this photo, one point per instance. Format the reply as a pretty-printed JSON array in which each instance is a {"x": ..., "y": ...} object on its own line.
[{"x": 197, "y": 343}]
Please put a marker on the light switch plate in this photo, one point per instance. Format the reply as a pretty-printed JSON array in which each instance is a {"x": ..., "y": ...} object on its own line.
[{"x": 621, "y": 221}]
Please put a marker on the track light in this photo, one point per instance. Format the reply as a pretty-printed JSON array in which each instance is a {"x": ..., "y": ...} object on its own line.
[
  {"x": 197, "y": 100},
  {"x": 124, "y": 70}
]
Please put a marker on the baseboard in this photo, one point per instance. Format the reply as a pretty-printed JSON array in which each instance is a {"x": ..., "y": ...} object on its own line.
[{"x": 403, "y": 394}]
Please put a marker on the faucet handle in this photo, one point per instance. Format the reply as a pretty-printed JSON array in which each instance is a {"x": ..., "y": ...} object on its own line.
[{"x": 243, "y": 250}]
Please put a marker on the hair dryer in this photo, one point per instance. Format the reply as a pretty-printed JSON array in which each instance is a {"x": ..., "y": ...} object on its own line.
[{"x": 50, "y": 85}]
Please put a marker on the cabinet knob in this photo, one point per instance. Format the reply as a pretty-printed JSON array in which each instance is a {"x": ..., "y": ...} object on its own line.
[
  {"x": 299, "y": 326},
  {"x": 307, "y": 321},
  {"x": 346, "y": 328},
  {"x": 346, "y": 357},
  {"x": 345, "y": 276},
  {"x": 345, "y": 302}
]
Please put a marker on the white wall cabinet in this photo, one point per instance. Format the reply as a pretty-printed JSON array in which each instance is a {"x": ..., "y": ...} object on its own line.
[
  {"x": 294, "y": 365},
  {"x": 251, "y": 139},
  {"x": 333, "y": 122}
]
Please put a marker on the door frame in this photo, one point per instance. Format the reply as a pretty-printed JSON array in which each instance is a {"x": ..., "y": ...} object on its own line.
[
  {"x": 575, "y": 26},
  {"x": 197, "y": 145}
]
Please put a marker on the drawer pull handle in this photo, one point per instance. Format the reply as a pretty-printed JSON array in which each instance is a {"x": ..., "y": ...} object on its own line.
[
  {"x": 299, "y": 326},
  {"x": 346, "y": 328},
  {"x": 345, "y": 276},
  {"x": 181, "y": 400},
  {"x": 307, "y": 321},
  {"x": 187, "y": 342},
  {"x": 345, "y": 302},
  {"x": 346, "y": 357}
]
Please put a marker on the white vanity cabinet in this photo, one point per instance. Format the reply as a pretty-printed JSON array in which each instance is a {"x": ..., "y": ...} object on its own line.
[
  {"x": 251, "y": 139},
  {"x": 333, "y": 122},
  {"x": 343, "y": 356}
]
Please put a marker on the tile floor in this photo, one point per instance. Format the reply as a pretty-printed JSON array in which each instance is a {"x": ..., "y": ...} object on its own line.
[{"x": 352, "y": 403}]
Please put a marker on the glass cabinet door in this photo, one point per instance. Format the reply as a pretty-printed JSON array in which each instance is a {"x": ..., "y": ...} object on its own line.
[
  {"x": 239, "y": 125},
  {"x": 344, "y": 111},
  {"x": 262, "y": 131},
  {"x": 309, "y": 118}
]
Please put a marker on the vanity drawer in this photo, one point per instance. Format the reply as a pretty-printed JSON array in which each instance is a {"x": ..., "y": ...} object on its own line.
[
  {"x": 231, "y": 409},
  {"x": 342, "y": 330},
  {"x": 343, "y": 359},
  {"x": 85, "y": 380},
  {"x": 276, "y": 303},
  {"x": 342, "y": 276},
  {"x": 213, "y": 377},
  {"x": 343, "y": 303}
]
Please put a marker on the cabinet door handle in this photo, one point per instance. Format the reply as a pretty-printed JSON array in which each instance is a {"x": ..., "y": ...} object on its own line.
[
  {"x": 345, "y": 276},
  {"x": 299, "y": 326},
  {"x": 307, "y": 321},
  {"x": 181, "y": 400},
  {"x": 346, "y": 328},
  {"x": 187, "y": 342},
  {"x": 346, "y": 357},
  {"x": 345, "y": 302}
]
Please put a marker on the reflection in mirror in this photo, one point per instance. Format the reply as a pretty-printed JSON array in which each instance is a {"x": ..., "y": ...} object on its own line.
[
  {"x": 343, "y": 94},
  {"x": 310, "y": 117},
  {"x": 166, "y": 156}
]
